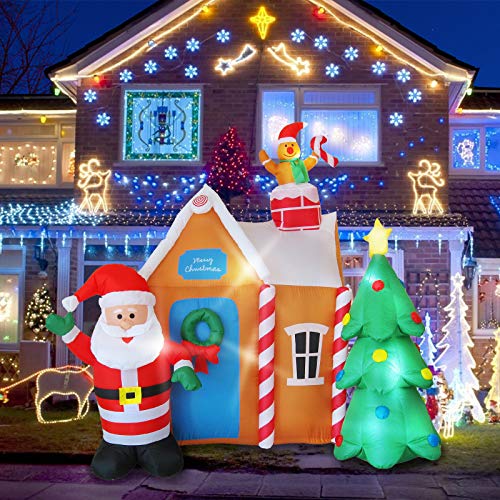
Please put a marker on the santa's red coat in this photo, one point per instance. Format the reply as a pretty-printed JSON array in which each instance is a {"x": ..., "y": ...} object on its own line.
[{"x": 133, "y": 424}]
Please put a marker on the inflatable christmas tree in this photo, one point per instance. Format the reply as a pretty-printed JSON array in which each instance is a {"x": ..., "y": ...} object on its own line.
[{"x": 386, "y": 421}]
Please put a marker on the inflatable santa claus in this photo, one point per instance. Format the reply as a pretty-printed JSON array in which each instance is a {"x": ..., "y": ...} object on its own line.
[{"x": 134, "y": 368}]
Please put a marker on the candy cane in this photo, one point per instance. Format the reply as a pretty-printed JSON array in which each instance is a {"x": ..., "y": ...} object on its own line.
[
  {"x": 343, "y": 304},
  {"x": 267, "y": 306},
  {"x": 316, "y": 145}
]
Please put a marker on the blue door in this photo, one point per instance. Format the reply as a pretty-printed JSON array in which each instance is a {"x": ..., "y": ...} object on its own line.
[{"x": 214, "y": 410}]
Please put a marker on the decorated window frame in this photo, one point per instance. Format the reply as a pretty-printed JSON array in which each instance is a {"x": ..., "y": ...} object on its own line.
[
  {"x": 470, "y": 156},
  {"x": 302, "y": 104},
  {"x": 306, "y": 329},
  {"x": 490, "y": 268},
  {"x": 138, "y": 147}
]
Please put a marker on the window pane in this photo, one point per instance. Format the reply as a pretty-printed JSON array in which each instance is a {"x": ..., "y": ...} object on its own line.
[
  {"x": 278, "y": 110},
  {"x": 352, "y": 135},
  {"x": 340, "y": 97},
  {"x": 313, "y": 342},
  {"x": 492, "y": 148},
  {"x": 489, "y": 303},
  {"x": 353, "y": 261},
  {"x": 300, "y": 343},
  {"x": 27, "y": 130},
  {"x": 68, "y": 132},
  {"x": 68, "y": 162},
  {"x": 9, "y": 308},
  {"x": 313, "y": 366},
  {"x": 301, "y": 367},
  {"x": 353, "y": 282},
  {"x": 28, "y": 163},
  {"x": 465, "y": 147},
  {"x": 162, "y": 125}
]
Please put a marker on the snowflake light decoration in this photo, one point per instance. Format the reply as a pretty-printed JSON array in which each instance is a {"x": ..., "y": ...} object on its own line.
[
  {"x": 150, "y": 67},
  {"x": 90, "y": 95},
  {"x": 170, "y": 52},
  {"x": 379, "y": 68},
  {"x": 126, "y": 75},
  {"x": 403, "y": 75},
  {"x": 103, "y": 119},
  {"x": 414, "y": 95},
  {"x": 191, "y": 71},
  {"x": 396, "y": 119},
  {"x": 223, "y": 36},
  {"x": 298, "y": 36},
  {"x": 193, "y": 45},
  {"x": 332, "y": 70},
  {"x": 321, "y": 42},
  {"x": 351, "y": 53}
]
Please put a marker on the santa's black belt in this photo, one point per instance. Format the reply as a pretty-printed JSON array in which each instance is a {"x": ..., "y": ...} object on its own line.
[{"x": 132, "y": 395}]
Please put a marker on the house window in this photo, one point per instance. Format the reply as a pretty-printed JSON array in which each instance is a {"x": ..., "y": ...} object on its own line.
[
  {"x": 475, "y": 149},
  {"x": 349, "y": 117},
  {"x": 486, "y": 311},
  {"x": 306, "y": 353},
  {"x": 162, "y": 125},
  {"x": 11, "y": 292}
]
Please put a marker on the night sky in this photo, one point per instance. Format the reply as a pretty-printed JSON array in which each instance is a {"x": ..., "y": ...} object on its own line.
[{"x": 466, "y": 29}]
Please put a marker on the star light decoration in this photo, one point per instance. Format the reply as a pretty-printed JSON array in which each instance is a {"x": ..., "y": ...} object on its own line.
[
  {"x": 298, "y": 35},
  {"x": 396, "y": 119},
  {"x": 403, "y": 75},
  {"x": 171, "y": 53},
  {"x": 90, "y": 95},
  {"x": 297, "y": 64},
  {"x": 351, "y": 53},
  {"x": 379, "y": 68},
  {"x": 103, "y": 119},
  {"x": 223, "y": 36},
  {"x": 262, "y": 20},
  {"x": 191, "y": 71},
  {"x": 193, "y": 45},
  {"x": 415, "y": 95},
  {"x": 321, "y": 42},
  {"x": 226, "y": 65},
  {"x": 378, "y": 239},
  {"x": 150, "y": 67},
  {"x": 126, "y": 75},
  {"x": 332, "y": 70}
]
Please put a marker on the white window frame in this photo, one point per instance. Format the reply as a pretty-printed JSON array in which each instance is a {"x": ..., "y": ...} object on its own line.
[
  {"x": 20, "y": 272},
  {"x": 299, "y": 92},
  {"x": 468, "y": 172},
  {"x": 485, "y": 266},
  {"x": 41, "y": 139},
  {"x": 122, "y": 162},
  {"x": 306, "y": 328}
]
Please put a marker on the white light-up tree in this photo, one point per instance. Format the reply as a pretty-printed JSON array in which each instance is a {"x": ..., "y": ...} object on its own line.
[
  {"x": 456, "y": 361},
  {"x": 492, "y": 401},
  {"x": 427, "y": 347}
]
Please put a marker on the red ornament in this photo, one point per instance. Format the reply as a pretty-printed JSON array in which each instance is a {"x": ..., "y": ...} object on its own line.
[
  {"x": 432, "y": 406},
  {"x": 416, "y": 317},
  {"x": 339, "y": 440},
  {"x": 378, "y": 285}
]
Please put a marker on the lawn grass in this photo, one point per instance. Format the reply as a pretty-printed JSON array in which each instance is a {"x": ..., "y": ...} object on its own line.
[{"x": 473, "y": 450}]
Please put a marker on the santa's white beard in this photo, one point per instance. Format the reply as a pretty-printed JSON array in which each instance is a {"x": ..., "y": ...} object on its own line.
[{"x": 110, "y": 350}]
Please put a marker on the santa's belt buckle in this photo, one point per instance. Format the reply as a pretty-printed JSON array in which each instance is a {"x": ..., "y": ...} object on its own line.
[{"x": 130, "y": 395}]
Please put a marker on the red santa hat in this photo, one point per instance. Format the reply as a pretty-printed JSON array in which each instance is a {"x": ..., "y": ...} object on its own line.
[
  {"x": 289, "y": 132},
  {"x": 116, "y": 284}
]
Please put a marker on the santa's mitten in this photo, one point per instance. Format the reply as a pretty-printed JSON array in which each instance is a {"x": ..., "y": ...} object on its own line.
[
  {"x": 186, "y": 376},
  {"x": 60, "y": 325}
]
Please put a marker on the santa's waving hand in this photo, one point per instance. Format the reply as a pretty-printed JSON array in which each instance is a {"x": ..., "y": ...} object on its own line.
[{"x": 132, "y": 372}]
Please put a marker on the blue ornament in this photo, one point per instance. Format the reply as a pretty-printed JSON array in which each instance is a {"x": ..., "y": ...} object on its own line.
[
  {"x": 382, "y": 412},
  {"x": 339, "y": 376},
  {"x": 433, "y": 440}
]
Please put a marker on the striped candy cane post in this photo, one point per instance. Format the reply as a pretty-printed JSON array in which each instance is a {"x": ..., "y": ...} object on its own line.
[
  {"x": 267, "y": 305},
  {"x": 317, "y": 146},
  {"x": 343, "y": 304}
]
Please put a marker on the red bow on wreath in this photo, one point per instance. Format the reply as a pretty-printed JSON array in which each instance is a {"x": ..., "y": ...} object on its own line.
[{"x": 202, "y": 354}]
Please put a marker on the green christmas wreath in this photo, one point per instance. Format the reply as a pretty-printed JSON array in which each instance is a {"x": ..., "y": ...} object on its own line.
[{"x": 204, "y": 315}]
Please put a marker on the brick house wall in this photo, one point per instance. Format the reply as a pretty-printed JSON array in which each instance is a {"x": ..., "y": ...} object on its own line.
[{"x": 233, "y": 99}]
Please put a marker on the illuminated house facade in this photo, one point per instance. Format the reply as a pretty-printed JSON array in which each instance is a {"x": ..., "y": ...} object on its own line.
[{"x": 153, "y": 96}]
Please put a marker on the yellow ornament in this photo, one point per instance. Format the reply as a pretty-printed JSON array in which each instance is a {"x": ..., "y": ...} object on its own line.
[
  {"x": 262, "y": 20},
  {"x": 346, "y": 319},
  {"x": 378, "y": 239},
  {"x": 426, "y": 374},
  {"x": 379, "y": 355}
]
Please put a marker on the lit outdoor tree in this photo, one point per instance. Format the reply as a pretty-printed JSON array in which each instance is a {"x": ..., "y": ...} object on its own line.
[
  {"x": 39, "y": 308},
  {"x": 427, "y": 347}
]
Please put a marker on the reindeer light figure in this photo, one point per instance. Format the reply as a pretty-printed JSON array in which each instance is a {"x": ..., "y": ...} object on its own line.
[
  {"x": 426, "y": 183},
  {"x": 94, "y": 184}
]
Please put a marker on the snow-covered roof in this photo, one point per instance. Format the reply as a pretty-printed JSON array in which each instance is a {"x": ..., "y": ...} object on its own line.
[
  {"x": 205, "y": 200},
  {"x": 301, "y": 258}
]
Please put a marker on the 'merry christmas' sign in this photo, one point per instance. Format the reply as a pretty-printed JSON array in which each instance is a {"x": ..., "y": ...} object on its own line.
[{"x": 203, "y": 264}]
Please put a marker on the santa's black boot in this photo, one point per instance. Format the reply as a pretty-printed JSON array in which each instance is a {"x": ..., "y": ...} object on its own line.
[
  {"x": 112, "y": 461},
  {"x": 162, "y": 458}
]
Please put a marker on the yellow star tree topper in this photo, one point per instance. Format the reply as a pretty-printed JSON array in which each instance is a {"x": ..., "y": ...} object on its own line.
[
  {"x": 262, "y": 20},
  {"x": 378, "y": 239}
]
